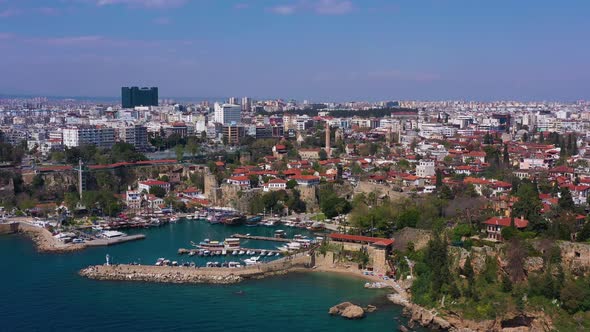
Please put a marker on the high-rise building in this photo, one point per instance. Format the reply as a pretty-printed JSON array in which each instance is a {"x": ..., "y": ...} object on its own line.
[
  {"x": 101, "y": 137},
  {"x": 246, "y": 104},
  {"x": 136, "y": 136},
  {"x": 233, "y": 100},
  {"x": 133, "y": 96},
  {"x": 228, "y": 114}
]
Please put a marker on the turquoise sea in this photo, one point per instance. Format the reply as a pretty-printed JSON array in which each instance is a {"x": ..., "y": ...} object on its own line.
[{"x": 42, "y": 292}]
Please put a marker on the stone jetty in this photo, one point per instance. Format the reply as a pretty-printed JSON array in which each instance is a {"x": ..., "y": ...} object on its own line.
[{"x": 194, "y": 275}]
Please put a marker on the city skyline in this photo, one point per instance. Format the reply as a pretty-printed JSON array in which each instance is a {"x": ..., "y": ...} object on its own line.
[{"x": 330, "y": 50}]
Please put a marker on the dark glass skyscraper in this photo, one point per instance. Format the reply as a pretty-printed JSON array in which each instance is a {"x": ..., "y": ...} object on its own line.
[{"x": 134, "y": 96}]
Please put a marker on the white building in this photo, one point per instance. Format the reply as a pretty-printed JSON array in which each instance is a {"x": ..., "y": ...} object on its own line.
[
  {"x": 275, "y": 184},
  {"x": 101, "y": 137},
  {"x": 148, "y": 184},
  {"x": 228, "y": 113},
  {"x": 425, "y": 168}
]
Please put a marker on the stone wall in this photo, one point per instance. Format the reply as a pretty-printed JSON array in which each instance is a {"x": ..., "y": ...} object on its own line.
[
  {"x": 8, "y": 228},
  {"x": 308, "y": 195},
  {"x": 419, "y": 237},
  {"x": 381, "y": 189},
  {"x": 575, "y": 256},
  {"x": 377, "y": 257}
]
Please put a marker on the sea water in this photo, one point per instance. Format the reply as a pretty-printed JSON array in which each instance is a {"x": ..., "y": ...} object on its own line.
[{"x": 43, "y": 292}]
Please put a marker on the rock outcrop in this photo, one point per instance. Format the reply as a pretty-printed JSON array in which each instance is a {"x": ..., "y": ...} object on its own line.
[{"x": 347, "y": 310}]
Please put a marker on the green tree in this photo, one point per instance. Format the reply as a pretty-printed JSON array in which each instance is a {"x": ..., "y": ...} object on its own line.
[
  {"x": 38, "y": 181},
  {"x": 291, "y": 184},
  {"x": 565, "y": 200},
  {"x": 179, "y": 150},
  {"x": 529, "y": 206},
  {"x": 323, "y": 154},
  {"x": 192, "y": 147},
  {"x": 439, "y": 178},
  {"x": 158, "y": 191},
  {"x": 506, "y": 284},
  {"x": 575, "y": 296},
  {"x": 254, "y": 181}
]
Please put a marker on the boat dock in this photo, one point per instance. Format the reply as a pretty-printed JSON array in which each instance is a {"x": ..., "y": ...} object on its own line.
[
  {"x": 114, "y": 240},
  {"x": 261, "y": 238},
  {"x": 183, "y": 251}
]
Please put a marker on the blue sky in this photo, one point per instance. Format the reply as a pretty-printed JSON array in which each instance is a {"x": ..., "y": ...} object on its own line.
[{"x": 304, "y": 49}]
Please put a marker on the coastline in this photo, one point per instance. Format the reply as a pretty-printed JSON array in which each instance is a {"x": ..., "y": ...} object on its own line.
[{"x": 44, "y": 240}]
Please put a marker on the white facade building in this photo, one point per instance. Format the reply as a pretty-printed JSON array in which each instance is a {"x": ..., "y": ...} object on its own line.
[
  {"x": 425, "y": 168},
  {"x": 101, "y": 137},
  {"x": 228, "y": 113}
]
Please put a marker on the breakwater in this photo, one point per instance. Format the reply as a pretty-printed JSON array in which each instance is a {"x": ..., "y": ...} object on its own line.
[
  {"x": 192, "y": 275},
  {"x": 8, "y": 228}
]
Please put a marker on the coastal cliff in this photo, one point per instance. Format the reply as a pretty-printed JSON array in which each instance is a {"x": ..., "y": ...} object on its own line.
[{"x": 449, "y": 321}]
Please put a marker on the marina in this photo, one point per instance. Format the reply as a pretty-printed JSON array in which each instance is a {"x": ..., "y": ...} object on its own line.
[
  {"x": 131, "y": 305},
  {"x": 237, "y": 252},
  {"x": 261, "y": 238}
]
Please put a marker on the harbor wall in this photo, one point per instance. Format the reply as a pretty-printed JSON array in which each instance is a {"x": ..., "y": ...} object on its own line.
[
  {"x": 8, "y": 228},
  {"x": 189, "y": 275}
]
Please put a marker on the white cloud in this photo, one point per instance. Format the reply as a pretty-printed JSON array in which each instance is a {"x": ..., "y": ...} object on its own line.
[
  {"x": 75, "y": 40},
  {"x": 333, "y": 7},
  {"x": 320, "y": 7},
  {"x": 283, "y": 10},
  {"x": 143, "y": 3},
  {"x": 9, "y": 12}
]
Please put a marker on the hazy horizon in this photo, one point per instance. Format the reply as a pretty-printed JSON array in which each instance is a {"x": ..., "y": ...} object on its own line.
[{"x": 320, "y": 50}]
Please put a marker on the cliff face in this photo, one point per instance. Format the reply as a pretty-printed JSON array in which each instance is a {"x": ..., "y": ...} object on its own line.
[{"x": 575, "y": 257}]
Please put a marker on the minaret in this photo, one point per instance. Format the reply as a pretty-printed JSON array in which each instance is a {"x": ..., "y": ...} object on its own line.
[
  {"x": 328, "y": 139},
  {"x": 80, "y": 179}
]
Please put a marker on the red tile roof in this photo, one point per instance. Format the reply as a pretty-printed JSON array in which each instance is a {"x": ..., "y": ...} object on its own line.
[
  {"x": 153, "y": 183},
  {"x": 239, "y": 178},
  {"x": 358, "y": 238},
  {"x": 505, "y": 221},
  {"x": 55, "y": 168}
]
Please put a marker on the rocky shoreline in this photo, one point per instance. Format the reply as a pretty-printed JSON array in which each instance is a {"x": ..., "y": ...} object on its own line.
[
  {"x": 44, "y": 240},
  {"x": 452, "y": 322}
]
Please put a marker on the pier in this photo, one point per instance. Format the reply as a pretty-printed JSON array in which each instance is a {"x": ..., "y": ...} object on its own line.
[
  {"x": 183, "y": 251},
  {"x": 261, "y": 238},
  {"x": 113, "y": 241},
  {"x": 191, "y": 275}
]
